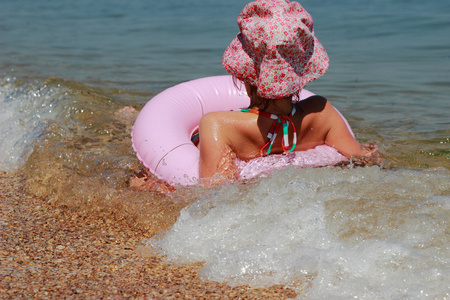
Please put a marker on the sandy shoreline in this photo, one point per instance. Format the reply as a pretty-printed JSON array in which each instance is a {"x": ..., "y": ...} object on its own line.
[{"x": 53, "y": 252}]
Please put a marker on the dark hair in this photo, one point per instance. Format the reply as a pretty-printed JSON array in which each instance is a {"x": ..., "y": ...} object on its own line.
[{"x": 256, "y": 100}]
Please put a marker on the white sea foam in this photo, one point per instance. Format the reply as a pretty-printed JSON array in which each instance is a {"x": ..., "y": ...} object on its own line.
[
  {"x": 364, "y": 233},
  {"x": 25, "y": 112}
]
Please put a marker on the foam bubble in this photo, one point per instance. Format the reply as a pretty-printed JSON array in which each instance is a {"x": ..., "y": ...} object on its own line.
[
  {"x": 26, "y": 111},
  {"x": 366, "y": 233}
]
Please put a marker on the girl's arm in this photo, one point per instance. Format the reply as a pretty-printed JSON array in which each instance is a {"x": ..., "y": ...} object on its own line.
[
  {"x": 339, "y": 136},
  {"x": 216, "y": 156}
]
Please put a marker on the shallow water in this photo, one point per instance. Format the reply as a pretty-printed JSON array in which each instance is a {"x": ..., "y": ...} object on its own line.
[
  {"x": 365, "y": 233},
  {"x": 378, "y": 232}
]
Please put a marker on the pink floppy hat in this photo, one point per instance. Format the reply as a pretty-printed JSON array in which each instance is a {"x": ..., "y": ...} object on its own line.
[{"x": 276, "y": 49}]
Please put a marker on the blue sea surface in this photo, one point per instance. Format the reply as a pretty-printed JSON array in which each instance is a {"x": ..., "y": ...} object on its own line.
[
  {"x": 389, "y": 59},
  {"x": 68, "y": 67}
]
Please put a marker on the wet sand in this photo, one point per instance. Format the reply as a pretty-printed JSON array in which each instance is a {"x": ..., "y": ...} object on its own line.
[{"x": 53, "y": 252}]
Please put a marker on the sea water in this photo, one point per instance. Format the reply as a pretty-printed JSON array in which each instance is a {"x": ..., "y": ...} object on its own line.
[
  {"x": 68, "y": 68},
  {"x": 363, "y": 233}
]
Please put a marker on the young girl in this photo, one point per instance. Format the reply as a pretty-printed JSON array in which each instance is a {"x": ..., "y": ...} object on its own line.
[{"x": 275, "y": 55}]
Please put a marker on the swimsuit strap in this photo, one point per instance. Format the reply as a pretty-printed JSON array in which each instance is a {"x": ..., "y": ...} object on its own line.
[{"x": 284, "y": 120}]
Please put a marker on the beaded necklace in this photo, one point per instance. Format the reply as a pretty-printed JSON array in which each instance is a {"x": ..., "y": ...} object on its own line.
[{"x": 284, "y": 120}]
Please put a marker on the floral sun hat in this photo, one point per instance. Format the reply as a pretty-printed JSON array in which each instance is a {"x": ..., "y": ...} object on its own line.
[{"x": 276, "y": 49}]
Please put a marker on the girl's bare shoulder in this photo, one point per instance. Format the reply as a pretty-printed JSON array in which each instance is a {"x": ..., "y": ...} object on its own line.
[
  {"x": 312, "y": 104},
  {"x": 225, "y": 117}
]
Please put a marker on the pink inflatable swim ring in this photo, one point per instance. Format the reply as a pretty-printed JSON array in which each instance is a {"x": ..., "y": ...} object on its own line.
[{"x": 162, "y": 132}]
